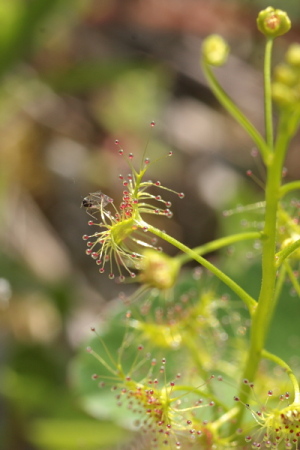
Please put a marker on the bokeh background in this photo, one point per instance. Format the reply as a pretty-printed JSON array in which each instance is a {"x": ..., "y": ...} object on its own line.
[{"x": 75, "y": 76}]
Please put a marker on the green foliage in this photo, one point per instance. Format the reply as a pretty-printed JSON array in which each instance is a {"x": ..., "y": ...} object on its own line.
[
  {"x": 166, "y": 364},
  {"x": 188, "y": 325}
]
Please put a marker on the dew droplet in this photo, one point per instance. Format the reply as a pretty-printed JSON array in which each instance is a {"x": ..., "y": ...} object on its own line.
[
  {"x": 170, "y": 153},
  {"x": 152, "y": 124},
  {"x": 181, "y": 195}
]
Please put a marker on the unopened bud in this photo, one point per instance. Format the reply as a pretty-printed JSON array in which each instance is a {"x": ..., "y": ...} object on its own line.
[
  {"x": 215, "y": 50},
  {"x": 293, "y": 55},
  {"x": 286, "y": 75},
  {"x": 283, "y": 95},
  {"x": 159, "y": 270},
  {"x": 273, "y": 22}
]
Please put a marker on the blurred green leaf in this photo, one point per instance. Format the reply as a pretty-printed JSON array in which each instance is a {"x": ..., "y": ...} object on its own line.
[
  {"x": 90, "y": 75},
  {"x": 54, "y": 434},
  {"x": 19, "y": 22}
]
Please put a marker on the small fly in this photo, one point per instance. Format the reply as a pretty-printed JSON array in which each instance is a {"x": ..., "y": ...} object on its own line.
[{"x": 95, "y": 201}]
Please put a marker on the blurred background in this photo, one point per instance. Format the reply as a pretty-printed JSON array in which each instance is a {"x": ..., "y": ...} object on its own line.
[{"x": 75, "y": 76}]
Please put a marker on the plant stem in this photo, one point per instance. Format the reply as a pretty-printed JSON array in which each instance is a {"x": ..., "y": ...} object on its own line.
[
  {"x": 186, "y": 388},
  {"x": 288, "y": 370},
  {"x": 243, "y": 295},
  {"x": 293, "y": 278},
  {"x": 279, "y": 284},
  {"x": 292, "y": 186},
  {"x": 230, "y": 106},
  {"x": 268, "y": 96},
  {"x": 219, "y": 243},
  {"x": 286, "y": 252},
  {"x": 267, "y": 300}
]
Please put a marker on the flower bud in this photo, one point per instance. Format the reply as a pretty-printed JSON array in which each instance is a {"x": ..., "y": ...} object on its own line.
[
  {"x": 215, "y": 50},
  {"x": 159, "y": 270},
  {"x": 283, "y": 95},
  {"x": 286, "y": 75},
  {"x": 273, "y": 22},
  {"x": 293, "y": 55}
]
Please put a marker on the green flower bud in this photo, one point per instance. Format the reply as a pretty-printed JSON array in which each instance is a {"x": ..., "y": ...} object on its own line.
[
  {"x": 158, "y": 269},
  {"x": 283, "y": 95},
  {"x": 293, "y": 55},
  {"x": 273, "y": 22},
  {"x": 286, "y": 75},
  {"x": 215, "y": 50}
]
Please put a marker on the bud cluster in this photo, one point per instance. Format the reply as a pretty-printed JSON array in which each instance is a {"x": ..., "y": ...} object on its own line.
[{"x": 286, "y": 85}]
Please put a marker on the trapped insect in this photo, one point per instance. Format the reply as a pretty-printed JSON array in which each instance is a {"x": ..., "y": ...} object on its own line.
[{"x": 96, "y": 201}]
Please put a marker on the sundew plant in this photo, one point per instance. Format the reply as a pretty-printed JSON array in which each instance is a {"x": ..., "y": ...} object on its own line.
[{"x": 191, "y": 368}]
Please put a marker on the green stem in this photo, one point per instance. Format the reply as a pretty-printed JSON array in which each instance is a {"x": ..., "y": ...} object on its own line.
[
  {"x": 230, "y": 106},
  {"x": 187, "y": 388},
  {"x": 289, "y": 187},
  {"x": 219, "y": 243},
  {"x": 292, "y": 277},
  {"x": 286, "y": 252},
  {"x": 243, "y": 295},
  {"x": 266, "y": 303},
  {"x": 286, "y": 367},
  {"x": 224, "y": 418},
  {"x": 279, "y": 284},
  {"x": 268, "y": 94}
]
